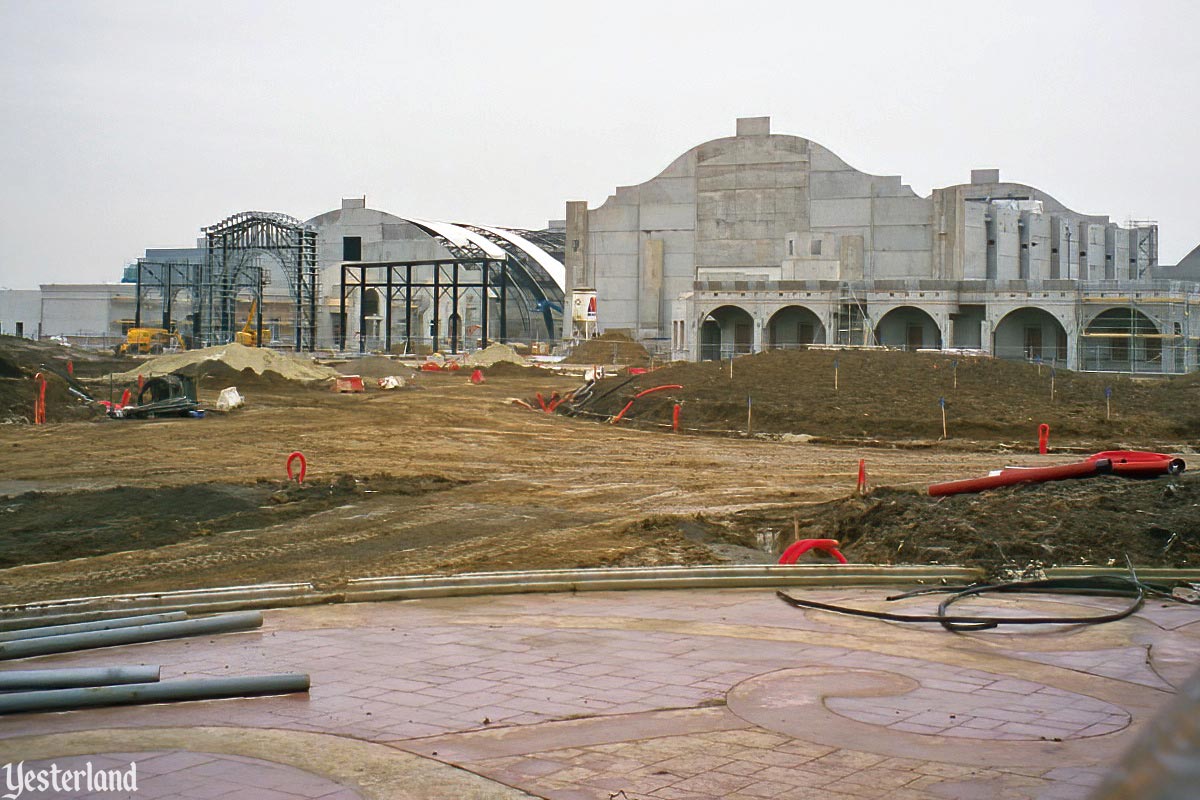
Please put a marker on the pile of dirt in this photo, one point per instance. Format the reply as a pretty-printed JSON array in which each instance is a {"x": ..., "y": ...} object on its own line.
[
  {"x": 22, "y": 359},
  {"x": 609, "y": 348},
  {"x": 494, "y": 353},
  {"x": 232, "y": 361},
  {"x": 1093, "y": 522},
  {"x": 897, "y": 396}
]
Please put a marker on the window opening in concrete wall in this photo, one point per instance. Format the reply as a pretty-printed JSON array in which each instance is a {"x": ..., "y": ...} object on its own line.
[
  {"x": 815, "y": 248},
  {"x": 1033, "y": 342},
  {"x": 351, "y": 248}
]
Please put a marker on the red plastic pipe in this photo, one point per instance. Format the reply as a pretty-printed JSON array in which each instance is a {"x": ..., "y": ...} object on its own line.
[
  {"x": 797, "y": 549},
  {"x": 297, "y": 455},
  {"x": 645, "y": 392},
  {"x": 1014, "y": 475},
  {"x": 618, "y": 417},
  {"x": 1140, "y": 463}
]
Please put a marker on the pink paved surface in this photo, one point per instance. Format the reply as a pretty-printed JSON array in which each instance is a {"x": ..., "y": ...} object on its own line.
[{"x": 676, "y": 694}]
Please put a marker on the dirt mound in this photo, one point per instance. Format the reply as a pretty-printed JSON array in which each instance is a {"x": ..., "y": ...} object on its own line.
[
  {"x": 895, "y": 396},
  {"x": 609, "y": 348},
  {"x": 21, "y": 359},
  {"x": 1093, "y": 522},
  {"x": 510, "y": 368},
  {"x": 235, "y": 357},
  {"x": 493, "y": 354}
]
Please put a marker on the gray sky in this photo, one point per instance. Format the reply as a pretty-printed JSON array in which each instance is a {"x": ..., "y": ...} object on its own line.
[{"x": 126, "y": 125}]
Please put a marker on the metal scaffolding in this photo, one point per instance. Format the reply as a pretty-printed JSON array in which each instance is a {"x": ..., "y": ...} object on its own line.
[
  {"x": 1139, "y": 328},
  {"x": 233, "y": 265}
]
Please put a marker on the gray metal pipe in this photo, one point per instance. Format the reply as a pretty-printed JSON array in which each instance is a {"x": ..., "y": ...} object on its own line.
[
  {"x": 99, "y": 625},
  {"x": 38, "y": 679},
  {"x": 168, "y": 692},
  {"x": 201, "y": 626}
]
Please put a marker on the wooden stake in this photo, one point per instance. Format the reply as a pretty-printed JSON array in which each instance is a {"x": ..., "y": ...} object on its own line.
[
  {"x": 942, "y": 403},
  {"x": 956, "y": 373},
  {"x": 749, "y": 412},
  {"x": 835, "y": 374},
  {"x": 795, "y": 528},
  {"x": 1108, "y": 402},
  {"x": 1052, "y": 371},
  {"x": 731, "y": 367}
]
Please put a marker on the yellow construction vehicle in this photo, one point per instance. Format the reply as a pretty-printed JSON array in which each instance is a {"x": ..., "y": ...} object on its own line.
[
  {"x": 247, "y": 334},
  {"x": 149, "y": 341}
]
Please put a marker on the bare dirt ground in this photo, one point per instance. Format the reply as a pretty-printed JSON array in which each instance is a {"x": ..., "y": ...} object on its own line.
[{"x": 444, "y": 476}]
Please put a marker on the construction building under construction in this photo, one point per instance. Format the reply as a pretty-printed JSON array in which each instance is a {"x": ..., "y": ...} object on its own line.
[
  {"x": 762, "y": 240},
  {"x": 354, "y": 279}
]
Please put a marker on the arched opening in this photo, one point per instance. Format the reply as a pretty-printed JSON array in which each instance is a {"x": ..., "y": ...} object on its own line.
[
  {"x": 1028, "y": 334},
  {"x": 794, "y": 326},
  {"x": 1122, "y": 340},
  {"x": 908, "y": 328},
  {"x": 725, "y": 332}
]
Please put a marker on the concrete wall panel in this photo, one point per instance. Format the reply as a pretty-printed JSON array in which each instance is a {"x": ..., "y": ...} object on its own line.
[
  {"x": 840, "y": 213},
  {"x": 668, "y": 217}
]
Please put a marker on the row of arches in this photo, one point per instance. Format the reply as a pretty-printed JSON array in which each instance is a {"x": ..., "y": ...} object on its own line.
[{"x": 1025, "y": 333}]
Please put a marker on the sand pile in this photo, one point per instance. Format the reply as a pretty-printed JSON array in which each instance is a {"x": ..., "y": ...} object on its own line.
[
  {"x": 610, "y": 348},
  {"x": 493, "y": 354},
  {"x": 229, "y": 359}
]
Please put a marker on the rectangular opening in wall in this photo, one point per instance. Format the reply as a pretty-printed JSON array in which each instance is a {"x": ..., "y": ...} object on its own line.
[
  {"x": 1033, "y": 342},
  {"x": 815, "y": 247},
  {"x": 351, "y": 248}
]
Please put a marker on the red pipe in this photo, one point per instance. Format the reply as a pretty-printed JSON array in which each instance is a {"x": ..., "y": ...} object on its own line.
[
  {"x": 39, "y": 400},
  {"x": 617, "y": 418},
  {"x": 541, "y": 400},
  {"x": 1013, "y": 475},
  {"x": 675, "y": 418},
  {"x": 797, "y": 549},
  {"x": 645, "y": 392},
  {"x": 1141, "y": 464},
  {"x": 297, "y": 455}
]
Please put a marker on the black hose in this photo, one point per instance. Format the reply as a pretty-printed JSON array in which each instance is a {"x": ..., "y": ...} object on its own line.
[{"x": 1099, "y": 585}]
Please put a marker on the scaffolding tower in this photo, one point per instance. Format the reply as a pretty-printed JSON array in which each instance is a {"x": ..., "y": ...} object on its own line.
[
  {"x": 1142, "y": 328},
  {"x": 238, "y": 252}
]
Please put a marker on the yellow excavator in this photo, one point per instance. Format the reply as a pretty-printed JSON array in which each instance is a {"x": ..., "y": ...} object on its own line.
[
  {"x": 149, "y": 341},
  {"x": 247, "y": 334}
]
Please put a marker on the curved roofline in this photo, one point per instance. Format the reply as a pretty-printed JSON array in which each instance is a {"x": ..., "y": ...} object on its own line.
[
  {"x": 554, "y": 268},
  {"x": 459, "y": 236}
]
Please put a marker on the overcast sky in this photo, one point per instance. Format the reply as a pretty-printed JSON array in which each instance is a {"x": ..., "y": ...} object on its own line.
[{"x": 126, "y": 125}]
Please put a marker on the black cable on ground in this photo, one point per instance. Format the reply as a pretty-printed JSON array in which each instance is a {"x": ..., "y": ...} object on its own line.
[{"x": 1099, "y": 585}]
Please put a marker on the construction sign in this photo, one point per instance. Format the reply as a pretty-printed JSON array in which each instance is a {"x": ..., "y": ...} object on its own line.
[{"x": 583, "y": 305}]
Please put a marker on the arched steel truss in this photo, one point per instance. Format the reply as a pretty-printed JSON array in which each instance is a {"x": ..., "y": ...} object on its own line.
[{"x": 230, "y": 268}]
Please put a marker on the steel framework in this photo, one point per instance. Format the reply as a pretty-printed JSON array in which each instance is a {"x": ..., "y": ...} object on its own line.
[
  {"x": 394, "y": 277},
  {"x": 231, "y": 267}
]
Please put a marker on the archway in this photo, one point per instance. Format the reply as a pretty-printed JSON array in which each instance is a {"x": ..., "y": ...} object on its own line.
[
  {"x": 1026, "y": 334},
  {"x": 725, "y": 332},
  {"x": 909, "y": 328},
  {"x": 1122, "y": 340},
  {"x": 793, "y": 326}
]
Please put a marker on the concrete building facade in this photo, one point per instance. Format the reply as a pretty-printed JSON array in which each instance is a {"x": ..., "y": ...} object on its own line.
[{"x": 762, "y": 240}]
